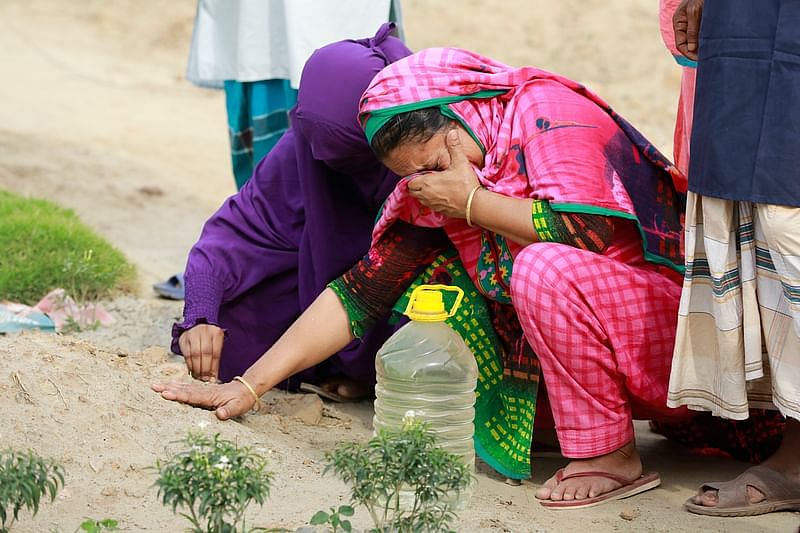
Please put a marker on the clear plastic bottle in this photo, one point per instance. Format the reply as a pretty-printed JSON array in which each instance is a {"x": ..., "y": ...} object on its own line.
[{"x": 427, "y": 368}]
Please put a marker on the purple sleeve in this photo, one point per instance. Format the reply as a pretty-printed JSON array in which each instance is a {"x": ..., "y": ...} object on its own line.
[{"x": 254, "y": 235}]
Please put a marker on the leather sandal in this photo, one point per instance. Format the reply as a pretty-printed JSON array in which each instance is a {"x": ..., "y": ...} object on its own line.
[{"x": 780, "y": 494}]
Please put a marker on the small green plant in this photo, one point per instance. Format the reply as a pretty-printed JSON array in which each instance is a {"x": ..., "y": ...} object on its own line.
[
  {"x": 396, "y": 462},
  {"x": 334, "y": 518},
  {"x": 90, "y": 525},
  {"x": 24, "y": 479},
  {"x": 215, "y": 481}
]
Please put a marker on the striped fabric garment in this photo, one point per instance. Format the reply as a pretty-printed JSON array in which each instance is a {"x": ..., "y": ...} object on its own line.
[
  {"x": 738, "y": 337},
  {"x": 258, "y": 115}
]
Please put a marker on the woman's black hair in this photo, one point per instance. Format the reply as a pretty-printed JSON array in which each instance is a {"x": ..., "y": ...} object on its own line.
[{"x": 416, "y": 126}]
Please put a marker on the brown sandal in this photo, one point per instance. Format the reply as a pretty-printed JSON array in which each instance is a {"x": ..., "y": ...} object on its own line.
[{"x": 780, "y": 494}]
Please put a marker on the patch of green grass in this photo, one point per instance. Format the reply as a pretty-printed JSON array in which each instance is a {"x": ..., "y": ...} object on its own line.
[{"x": 44, "y": 246}]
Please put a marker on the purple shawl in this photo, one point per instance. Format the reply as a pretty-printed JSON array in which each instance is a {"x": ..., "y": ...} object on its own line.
[{"x": 303, "y": 219}]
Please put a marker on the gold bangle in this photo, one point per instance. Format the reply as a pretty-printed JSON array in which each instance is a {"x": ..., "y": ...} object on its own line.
[
  {"x": 468, "y": 210},
  {"x": 241, "y": 380}
]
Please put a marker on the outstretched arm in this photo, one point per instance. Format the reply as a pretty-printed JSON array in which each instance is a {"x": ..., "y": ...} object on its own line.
[
  {"x": 323, "y": 329},
  {"x": 368, "y": 291}
]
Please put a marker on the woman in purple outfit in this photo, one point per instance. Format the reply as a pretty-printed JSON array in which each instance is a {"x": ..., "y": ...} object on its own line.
[{"x": 303, "y": 219}]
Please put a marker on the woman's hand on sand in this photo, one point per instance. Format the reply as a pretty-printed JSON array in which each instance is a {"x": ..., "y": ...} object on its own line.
[
  {"x": 226, "y": 399},
  {"x": 446, "y": 191},
  {"x": 201, "y": 347},
  {"x": 686, "y": 23}
]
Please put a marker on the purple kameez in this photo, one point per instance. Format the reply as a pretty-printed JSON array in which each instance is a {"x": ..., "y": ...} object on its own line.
[{"x": 303, "y": 219}]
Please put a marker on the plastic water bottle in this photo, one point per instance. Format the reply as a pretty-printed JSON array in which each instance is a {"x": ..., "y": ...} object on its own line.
[{"x": 427, "y": 368}]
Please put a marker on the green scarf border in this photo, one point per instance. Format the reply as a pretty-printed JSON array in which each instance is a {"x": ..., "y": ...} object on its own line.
[{"x": 375, "y": 120}]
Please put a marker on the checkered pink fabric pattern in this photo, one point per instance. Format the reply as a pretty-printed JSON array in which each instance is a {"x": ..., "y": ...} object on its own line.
[{"x": 603, "y": 328}]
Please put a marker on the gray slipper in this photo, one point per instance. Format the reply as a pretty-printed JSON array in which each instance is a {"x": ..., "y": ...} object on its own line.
[{"x": 780, "y": 494}]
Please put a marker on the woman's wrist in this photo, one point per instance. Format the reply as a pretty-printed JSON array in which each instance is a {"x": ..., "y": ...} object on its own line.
[
  {"x": 469, "y": 205},
  {"x": 260, "y": 383},
  {"x": 509, "y": 217},
  {"x": 255, "y": 396}
]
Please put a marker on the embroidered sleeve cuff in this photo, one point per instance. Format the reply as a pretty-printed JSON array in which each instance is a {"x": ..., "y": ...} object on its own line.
[
  {"x": 544, "y": 223},
  {"x": 359, "y": 319}
]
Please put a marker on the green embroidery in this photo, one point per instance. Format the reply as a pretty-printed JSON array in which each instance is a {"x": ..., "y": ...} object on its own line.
[
  {"x": 543, "y": 223},
  {"x": 374, "y": 120},
  {"x": 355, "y": 314}
]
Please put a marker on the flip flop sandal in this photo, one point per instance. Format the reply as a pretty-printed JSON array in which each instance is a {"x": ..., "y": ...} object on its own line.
[
  {"x": 172, "y": 289},
  {"x": 327, "y": 394},
  {"x": 780, "y": 494},
  {"x": 646, "y": 481}
]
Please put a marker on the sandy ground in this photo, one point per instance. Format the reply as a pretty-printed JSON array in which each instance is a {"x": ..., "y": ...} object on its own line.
[{"x": 94, "y": 112}]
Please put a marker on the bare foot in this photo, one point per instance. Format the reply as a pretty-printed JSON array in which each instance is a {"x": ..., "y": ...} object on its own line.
[{"x": 624, "y": 462}]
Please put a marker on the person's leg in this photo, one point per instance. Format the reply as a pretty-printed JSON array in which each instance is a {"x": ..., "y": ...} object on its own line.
[
  {"x": 603, "y": 333},
  {"x": 271, "y": 101},
  {"x": 778, "y": 252},
  {"x": 752, "y": 440},
  {"x": 240, "y": 131},
  {"x": 258, "y": 115}
]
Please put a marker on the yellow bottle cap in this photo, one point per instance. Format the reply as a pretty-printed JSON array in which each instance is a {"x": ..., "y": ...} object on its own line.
[{"x": 427, "y": 303}]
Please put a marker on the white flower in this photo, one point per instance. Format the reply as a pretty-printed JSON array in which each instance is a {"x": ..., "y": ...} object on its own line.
[
  {"x": 203, "y": 424},
  {"x": 409, "y": 419},
  {"x": 223, "y": 463}
]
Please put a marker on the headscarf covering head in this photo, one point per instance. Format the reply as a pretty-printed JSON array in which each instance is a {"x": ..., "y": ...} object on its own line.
[
  {"x": 342, "y": 181},
  {"x": 327, "y": 102}
]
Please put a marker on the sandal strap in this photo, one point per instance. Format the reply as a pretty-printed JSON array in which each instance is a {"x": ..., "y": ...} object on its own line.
[{"x": 593, "y": 473}]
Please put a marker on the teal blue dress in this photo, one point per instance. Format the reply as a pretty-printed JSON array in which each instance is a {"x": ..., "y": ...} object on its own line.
[{"x": 258, "y": 115}]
